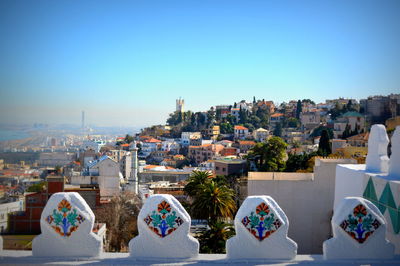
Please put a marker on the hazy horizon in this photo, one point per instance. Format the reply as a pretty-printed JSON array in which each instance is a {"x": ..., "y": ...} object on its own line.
[{"x": 126, "y": 62}]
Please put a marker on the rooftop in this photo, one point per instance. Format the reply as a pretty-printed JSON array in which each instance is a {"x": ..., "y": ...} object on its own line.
[
  {"x": 241, "y": 128},
  {"x": 277, "y": 115},
  {"x": 246, "y": 142}
]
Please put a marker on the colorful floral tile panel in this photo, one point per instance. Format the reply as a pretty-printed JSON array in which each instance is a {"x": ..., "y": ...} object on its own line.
[
  {"x": 360, "y": 224},
  {"x": 261, "y": 223},
  {"x": 65, "y": 219},
  {"x": 163, "y": 221}
]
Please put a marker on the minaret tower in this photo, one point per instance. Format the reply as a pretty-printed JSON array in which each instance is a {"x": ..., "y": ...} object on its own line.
[{"x": 133, "y": 179}]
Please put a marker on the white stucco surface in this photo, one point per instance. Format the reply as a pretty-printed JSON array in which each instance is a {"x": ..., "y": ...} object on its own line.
[
  {"x": 80, "y": 243},
  {"x": 377, "y": 159},
  {"x": 344, "y": 246},
  {"x": 15, "y": 257},
  {"x": 349, "y": 182},
  {"x": 246, "y": 246},
  {"x": 394, "y": 165},
  {"x": 177, "y": 244}
]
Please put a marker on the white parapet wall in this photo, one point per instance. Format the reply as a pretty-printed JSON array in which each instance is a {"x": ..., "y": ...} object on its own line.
[
  {"x": 66, "y": 224},
  {"x": 359, "y": 231},
  {"x": 378, "y": 180},
  {"x": 261, "y": 231},
  {"x": 164, "y": 227},
  {"x": 349, "y": 182}
]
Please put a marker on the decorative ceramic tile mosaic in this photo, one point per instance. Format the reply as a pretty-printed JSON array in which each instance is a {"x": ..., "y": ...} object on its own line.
[
  {"x": 65, "y": 219},
  {"x": 360, "y": 224},
  {"x": 163, "y": 221},
  {"x": 262, "y": 223},
  {"x": 386, "y": 202}
]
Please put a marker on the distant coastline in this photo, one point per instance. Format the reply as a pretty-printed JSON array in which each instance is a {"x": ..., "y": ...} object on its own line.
[{"x": 6, "y": 135}]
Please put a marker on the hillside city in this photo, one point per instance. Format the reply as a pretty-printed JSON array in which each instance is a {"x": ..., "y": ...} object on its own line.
[{"x": 245, "y": 147}]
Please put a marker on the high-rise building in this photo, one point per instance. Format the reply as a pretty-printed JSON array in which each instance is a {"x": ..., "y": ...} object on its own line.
[{"x": 379, "y": 108}]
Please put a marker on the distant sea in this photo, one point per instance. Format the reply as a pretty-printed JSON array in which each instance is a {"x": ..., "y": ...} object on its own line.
[{"x": 12, "y": 134}]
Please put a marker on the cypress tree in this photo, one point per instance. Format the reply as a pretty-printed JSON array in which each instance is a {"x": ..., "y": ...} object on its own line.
[
  {"x": 278, "y": 130},
  {"x": 299, "y": 109},
  {"x": 324, "y": 147}
]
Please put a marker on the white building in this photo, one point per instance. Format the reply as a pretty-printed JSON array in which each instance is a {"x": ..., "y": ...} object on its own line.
[
  {"x": 108, "y": 176},
  {"x": 170, "y": 145},
  {"x": 6, "y": 208},
  {"x": 241, "y": 132},
  {"x": 353, "y": 119},
  {"x": 187, "y": 136},
  {"x": 310, "y": 120},
  {"x": 149, "y": 146},
  {"x": 244, "y": 106},
  {"x": 235, "y": 112},
  {"x": 260, "y": 134}
]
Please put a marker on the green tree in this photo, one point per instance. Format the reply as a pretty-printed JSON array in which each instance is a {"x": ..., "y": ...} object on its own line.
[
  {"x": 299, "y": 109},
  {"x": 39, "y": 187},
  {"x": 347, "y": 132},
  {"x": 214, "y": 202},
  {"x": 128, "y": 138},
  {"x": 243, "y": 117},
  {"x": 278, "y": 130},
  {"x": 293, "y": 122},
  {"x": 226, "y": 128},
  {"x": 210, "y": 117},
  {"x": 214, "y": 239},
  {"x": 308, "y": 101},
  {"x": 317, "y": 132},
  {"x": 58, "y": 169},
  {"x": 249, "y": 126},
  {"x": 324, "y": 147},
  {"x": 196, "y": 179},
  {"x": 270, "y": 155},
  {"x": 298, "y": 162},
  {"x": 201, "y": 120}
]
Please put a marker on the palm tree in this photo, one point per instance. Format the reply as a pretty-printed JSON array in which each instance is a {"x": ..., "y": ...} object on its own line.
[
  {"x": 214, "y": 201},
  {"x": 195, "y": 180},
  {"x": 213, "y": 240}
]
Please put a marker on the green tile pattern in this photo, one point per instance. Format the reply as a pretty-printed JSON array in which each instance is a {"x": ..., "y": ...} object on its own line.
[{"x": 385, "y": 202}]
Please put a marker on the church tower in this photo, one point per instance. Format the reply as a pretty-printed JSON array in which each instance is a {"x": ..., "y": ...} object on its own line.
[{"x": 180, "y": 105}]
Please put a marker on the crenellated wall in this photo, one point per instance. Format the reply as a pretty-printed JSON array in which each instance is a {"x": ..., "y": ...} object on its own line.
[{"x": 261, "y": 233}]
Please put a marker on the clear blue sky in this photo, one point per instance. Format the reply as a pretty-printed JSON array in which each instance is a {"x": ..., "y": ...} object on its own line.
[{"x": 125, "y": 62}]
